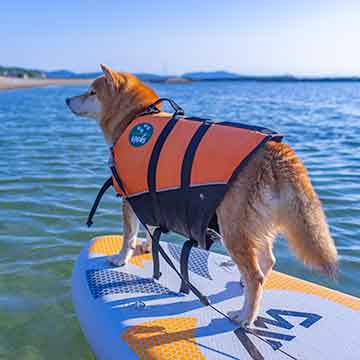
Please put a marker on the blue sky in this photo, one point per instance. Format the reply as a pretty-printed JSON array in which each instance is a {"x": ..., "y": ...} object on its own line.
[{"x": 307, "y": 37}]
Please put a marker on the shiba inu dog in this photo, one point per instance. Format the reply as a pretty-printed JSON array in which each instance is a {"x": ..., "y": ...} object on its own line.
[{"x": 272, "y": 195}]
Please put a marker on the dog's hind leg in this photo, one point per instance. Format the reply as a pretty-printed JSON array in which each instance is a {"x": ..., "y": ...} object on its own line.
[
  {"x": 266, "y": 258},
  {"x": 248, "y": 222},
  {"x": 247, "y": 262},
  {"x": 131, "y": 227}
]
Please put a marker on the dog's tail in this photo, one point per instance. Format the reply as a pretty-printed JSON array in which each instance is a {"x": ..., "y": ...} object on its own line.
[{"x": 301, "y": 218}]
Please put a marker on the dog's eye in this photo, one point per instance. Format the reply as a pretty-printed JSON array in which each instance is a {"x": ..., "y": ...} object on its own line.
[{"x": 92, "y": 92}]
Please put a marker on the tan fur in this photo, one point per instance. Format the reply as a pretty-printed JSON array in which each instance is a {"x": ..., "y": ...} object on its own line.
[{"x": 271, "y": 195}]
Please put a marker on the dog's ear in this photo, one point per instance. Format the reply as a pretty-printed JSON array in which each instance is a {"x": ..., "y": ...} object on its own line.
[{"x": 109, "y": 76}]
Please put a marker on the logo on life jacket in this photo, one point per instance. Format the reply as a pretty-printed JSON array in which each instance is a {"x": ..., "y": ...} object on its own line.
[{"x": 141, "y": 134}]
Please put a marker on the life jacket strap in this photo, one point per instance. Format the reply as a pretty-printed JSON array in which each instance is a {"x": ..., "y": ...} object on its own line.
[
  {"x": 117, "y": 179},
  {"x": 183, "y": 273},
  {"x": 203, "y": 298},
  {"x": 184, "y": 264},
  {"x": 107, "y": 184},
  {"x": 155, "y": 252}
]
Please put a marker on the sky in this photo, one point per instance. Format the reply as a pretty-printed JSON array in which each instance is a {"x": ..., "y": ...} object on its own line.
[{"x": 263, "y": 37}]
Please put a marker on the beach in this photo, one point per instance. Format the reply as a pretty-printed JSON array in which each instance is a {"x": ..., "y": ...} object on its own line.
[{"x": 7, "y": 83}]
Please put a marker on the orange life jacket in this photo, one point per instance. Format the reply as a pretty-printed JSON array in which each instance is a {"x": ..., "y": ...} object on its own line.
[{"x": 175, "y": 170}]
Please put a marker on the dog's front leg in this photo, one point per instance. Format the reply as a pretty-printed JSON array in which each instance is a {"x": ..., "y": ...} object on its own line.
[
  {"x": 147, "y": 245},
  {"x": 131, "y": 227}
]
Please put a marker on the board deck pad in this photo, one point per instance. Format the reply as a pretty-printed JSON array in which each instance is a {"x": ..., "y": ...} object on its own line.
[{"x": 126, "y": 314}]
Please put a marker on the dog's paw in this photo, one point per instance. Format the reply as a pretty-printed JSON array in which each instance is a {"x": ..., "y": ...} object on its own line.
[
  {"x": 145, "y": 247},
  {"x": 117, "y": 260},
  {"x": 240, "y": 318}
]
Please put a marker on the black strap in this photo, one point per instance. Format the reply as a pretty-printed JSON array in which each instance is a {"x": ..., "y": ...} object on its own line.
[
  {"x": 155, "y": 154},
  {"x": 155, "y": 252},
  {"x": 184, "y": 264},
  {"x": 117, "y": 178},
  {"x": 186, "y": 167},
  {"x": 152, "y": 168},
  {"x": 108, "y": 183},
  {"x": 203, "y": 298},
  {"x": 156, "y": 249},
  {"x": 190, "y": 154}
]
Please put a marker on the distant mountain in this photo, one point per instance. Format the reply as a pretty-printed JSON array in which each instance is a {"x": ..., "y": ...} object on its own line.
[
  {"x": 66, "y": 74},
  {"x": 60, "y": 74},
  {"x": 210, "y": 75},
  {"x": 70, "y": 74},
  {"x": 152, "y": 77},
  {"x": 225, "y": 75}
]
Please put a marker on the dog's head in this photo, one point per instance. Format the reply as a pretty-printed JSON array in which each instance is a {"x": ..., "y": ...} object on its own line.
[{"x": 114, "y": 100}]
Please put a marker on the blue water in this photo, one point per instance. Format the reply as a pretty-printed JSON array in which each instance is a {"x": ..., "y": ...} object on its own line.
[{"x": 52, "y": 164}]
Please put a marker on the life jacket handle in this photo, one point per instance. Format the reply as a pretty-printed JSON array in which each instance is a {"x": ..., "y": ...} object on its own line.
[{"x": 152, "y": 109}]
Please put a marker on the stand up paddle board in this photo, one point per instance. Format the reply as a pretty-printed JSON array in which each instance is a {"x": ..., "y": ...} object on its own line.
[{"x": 126, "y": 314}]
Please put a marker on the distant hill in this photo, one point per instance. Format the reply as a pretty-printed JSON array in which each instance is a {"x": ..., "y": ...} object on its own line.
[
  {"x": 191, "y": 76},
  {"x": 225, "y": 75},
  {"x": 66, "y": 74},
  {"x": 152, "y": 77},
  {"x": 19, "y": 72},
  {"x": 210, "y": 75},
  {"x": 70, "y": 74},
  {"x": 187, "y": 77}
]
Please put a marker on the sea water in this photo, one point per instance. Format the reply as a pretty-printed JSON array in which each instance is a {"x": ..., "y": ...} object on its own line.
[{"x": 53, "y": 163}]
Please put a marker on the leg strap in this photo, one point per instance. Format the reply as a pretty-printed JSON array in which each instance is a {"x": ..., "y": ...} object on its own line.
[
  {"x": 156, "y": 249},
  {"x": 184, "y": 265},
  {"x": 203, "y": 298},
  {"x": 155, "y": 253}
]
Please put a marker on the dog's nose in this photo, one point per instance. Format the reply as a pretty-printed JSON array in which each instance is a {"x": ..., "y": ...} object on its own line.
[{"x": 67, "y": 101}]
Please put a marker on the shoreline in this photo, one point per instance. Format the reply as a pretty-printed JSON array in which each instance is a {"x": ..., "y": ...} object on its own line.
[{"x": 10, "y": 83}]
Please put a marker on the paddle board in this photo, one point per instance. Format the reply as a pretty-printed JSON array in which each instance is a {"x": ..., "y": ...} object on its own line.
[{"x": 126, "y": 314}]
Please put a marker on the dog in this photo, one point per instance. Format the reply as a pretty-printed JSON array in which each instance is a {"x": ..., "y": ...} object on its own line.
[{"x": 272, "y": 195}]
